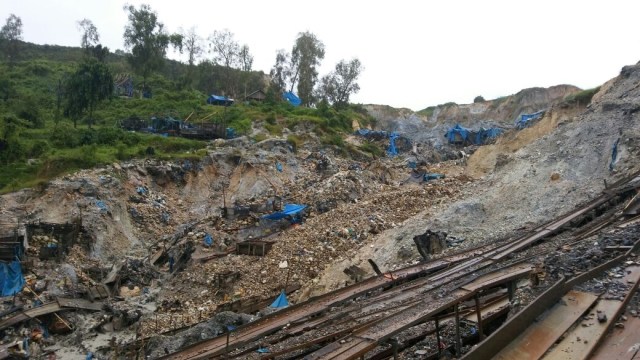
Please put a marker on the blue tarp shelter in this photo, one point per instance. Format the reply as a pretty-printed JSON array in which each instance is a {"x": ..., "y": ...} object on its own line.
[
  {"x": 526, "y": 120},
  {"x": 219, "y": 100},
  {"x": 11, "y": 279},
  {"x": 458, "y": 134},
  {"x": 290, "y": 210},
  {"x": 292, "y": 98},
  {"x": 281, "y": 301}
]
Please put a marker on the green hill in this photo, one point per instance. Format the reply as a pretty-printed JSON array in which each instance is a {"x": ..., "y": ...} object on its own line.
[{"x": 38, "y": 143}]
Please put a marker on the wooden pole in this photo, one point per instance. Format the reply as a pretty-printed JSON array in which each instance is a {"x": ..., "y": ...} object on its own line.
[
  {"x": 458, "y": 342},
  {"x": 479, "y": 314},
  {"x": 438, "y": 336},
  {"x": 57, "y": 316}
]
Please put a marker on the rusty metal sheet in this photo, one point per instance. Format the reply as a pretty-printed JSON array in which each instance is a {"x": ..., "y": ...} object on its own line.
[
  {"x": 621, "y": 343},
  {"x": 489, "y": 310},
  {"x": 592, "y": 331},
  {"x": 538, "y": 337},
  {"x": 499, "y": 277}
]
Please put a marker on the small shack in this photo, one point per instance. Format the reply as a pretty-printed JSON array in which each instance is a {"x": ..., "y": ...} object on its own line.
[
  {"x": 257, "y": 95},
  {"x": 219, "y": 100}
]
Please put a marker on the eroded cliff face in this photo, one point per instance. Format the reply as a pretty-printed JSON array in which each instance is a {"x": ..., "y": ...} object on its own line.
[
  {"x": 430, "y": 124},
  {"x": 501, "y": 111}
]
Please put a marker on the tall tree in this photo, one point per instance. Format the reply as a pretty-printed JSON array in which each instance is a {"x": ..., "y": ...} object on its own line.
[
  {"x": 90, "y": 40},
  {"x": 148, "y": 41},
  {"x": 90, "y": 36},
  {"x": 224, "y": 48},
  {"x": 338, "y": 86},
  {"x": 86, "y": 88},
  {"x": 245, "y": 58},
  {"x": 306, "y": 56},
  {"x": 192, "y": 43},
  {"x": 280, "y": 72},
  {"x": 10, "y": 36}
]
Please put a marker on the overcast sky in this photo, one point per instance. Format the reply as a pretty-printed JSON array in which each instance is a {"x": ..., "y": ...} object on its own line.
[{"x": 414, "y": 53}]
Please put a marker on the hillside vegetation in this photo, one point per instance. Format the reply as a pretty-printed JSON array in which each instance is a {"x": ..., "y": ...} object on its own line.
[{"x": 37, "y": 141}]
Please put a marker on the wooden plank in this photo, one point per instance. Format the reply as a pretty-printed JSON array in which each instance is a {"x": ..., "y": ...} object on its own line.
[
  {"x": 80, "y": 304},
  {"x": 592, "y": 332},
  {"x": 621, "y": 343},
  {"x": 538, "y": 337},
  {"x": 29, "y": 314}
]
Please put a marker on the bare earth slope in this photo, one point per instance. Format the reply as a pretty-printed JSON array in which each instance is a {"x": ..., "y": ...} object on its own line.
[{"x": 547, "y": 176}]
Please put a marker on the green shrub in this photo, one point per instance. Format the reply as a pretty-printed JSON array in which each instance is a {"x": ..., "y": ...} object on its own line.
[
  {"x": 372, "y": 148},
  {"x": 335, "y": 139},
  {"x": 39, "y": 148},
  {"x": 259, "y": 137},
  {"x": 581, "y": 98}
]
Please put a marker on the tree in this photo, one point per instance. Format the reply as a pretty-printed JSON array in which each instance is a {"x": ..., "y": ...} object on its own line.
[
  {"x": 86, "y": 88},
  {"x": 148, "y": 41},
  {"x": 280, "y": 72},
  {"x": 224, "y": 49},
  {"x": 90, "y": 36},
  {"x": 338, "y": 86},
  {"x": 230, "y": 55},
  {"x": 90, "y": 40},
  {"x": 478, "y": 99},
  {"x": 306, "y": 55},
  {"x": 193, "y": 45},
  {"x": 245, "y": 58},
  {"x": 10, "y": 35}
]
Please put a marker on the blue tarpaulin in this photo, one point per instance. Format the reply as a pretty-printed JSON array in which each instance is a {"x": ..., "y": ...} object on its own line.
[
  {"x": 292, "y": 98},
  {"x": 281, "y": 301},
  {"x": 219, "y": 100},
  {"x": 483, "y": 135},
  {"x": 208, "y": 240},
  {"x": 263, "y": 350},
  {"x": 429, "y": 177},
  {"x": 458, "y": 134},
  {"x": 279, "y": 167},
  {"x": 102, "y": 206},
  {"x": 614, "y": 155},
  {"x": 527, "y": 119},
  {"x": 392, "y": 151},
  {"x": 11, "y": 278},
  {"x": 289, "y": 210},
  {"x": 231, "y": 133}
]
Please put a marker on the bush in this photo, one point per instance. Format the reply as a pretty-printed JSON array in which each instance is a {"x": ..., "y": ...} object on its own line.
[
  {"x": 335, "y": 139},
  {"x": 372, "y": 148},
  {"x": 39, "y": 148},
  {"x": 581, "y": 98},
  {"x": 478, "y": 99}
]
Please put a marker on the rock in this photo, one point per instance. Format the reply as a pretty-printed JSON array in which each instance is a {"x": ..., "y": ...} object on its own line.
[{"x": 602, "y": 317}]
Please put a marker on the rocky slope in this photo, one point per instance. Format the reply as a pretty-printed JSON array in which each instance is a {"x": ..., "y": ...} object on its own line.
[
  {"x": 430, "y": 124},
  {"x": 563, "y": 161}
]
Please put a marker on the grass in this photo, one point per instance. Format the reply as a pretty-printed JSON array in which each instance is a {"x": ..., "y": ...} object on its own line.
[
  {"x": 581, "y": 98},
  {"x": 44, "y": 144}
]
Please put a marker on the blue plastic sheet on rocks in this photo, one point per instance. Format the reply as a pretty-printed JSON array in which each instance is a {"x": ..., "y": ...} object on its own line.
[
  {"x": 11, "y": 278},
  {"x": 281, "y": 301}
]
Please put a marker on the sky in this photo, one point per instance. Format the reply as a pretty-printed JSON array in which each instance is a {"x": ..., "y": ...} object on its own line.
[{"x": 414, "y": 53}]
